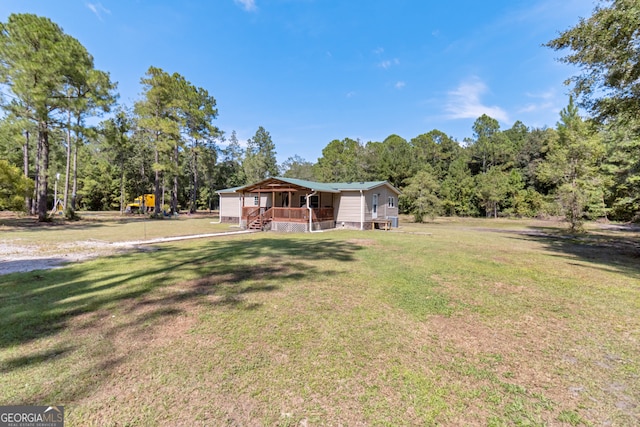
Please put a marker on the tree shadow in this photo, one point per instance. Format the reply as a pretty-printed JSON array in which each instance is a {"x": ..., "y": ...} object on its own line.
[
  {"x": 31, "y": 223},
  {"x": 147, "y": 288},
  {"x": 27, "y": 265},
  {"x": 34, "y": 358},
  {"x": 618, "y": 252}
]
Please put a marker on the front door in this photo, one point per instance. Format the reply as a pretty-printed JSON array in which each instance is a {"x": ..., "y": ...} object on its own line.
[{"x": 374, "y": 207}]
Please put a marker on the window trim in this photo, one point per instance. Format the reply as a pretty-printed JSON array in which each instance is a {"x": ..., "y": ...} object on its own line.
[{"x": 315, "y": 198}]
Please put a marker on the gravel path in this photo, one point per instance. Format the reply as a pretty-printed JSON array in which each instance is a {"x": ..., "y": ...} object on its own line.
[{"x": 17, "y": 257}]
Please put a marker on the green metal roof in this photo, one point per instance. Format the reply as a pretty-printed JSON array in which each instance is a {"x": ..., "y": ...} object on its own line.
[
  {"x": 362, "y": 185},
  {"x": 230, "y": 190},
  {"x": 330, "y": 187},
  {"x": 316, "y": 186}
]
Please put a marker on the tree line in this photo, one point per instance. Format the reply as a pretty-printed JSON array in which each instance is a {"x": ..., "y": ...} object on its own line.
[{"x": 167, "y": 142}]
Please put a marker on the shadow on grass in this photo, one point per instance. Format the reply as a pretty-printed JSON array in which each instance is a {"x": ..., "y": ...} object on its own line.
[
  {"x": 74, "y": 320},
  {"x": 34, "y": 358},
  {"x": 56, "y": 224},
  {"x": 150, "y": 286},
  {"x": 619, "y": 253}
]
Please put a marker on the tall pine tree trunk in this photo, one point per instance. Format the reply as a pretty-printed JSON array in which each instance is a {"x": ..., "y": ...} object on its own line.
[
  {"x": 25, "y": 164},
  {"x": 194, "y": 195},
  {"x": 43, "y": 171},
  {"x": 156, "y": 184},
  {"x": 36, "y": 162},
  {"x": 122, "y": 186},
  {"x": 174, "y": 192},
  {"x": 74, "y": 192},
  {"x": 68, "y": 170}
]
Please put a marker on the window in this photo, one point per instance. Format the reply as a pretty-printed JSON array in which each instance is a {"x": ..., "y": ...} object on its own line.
[
  {"x": 392, "y": 202},
  {"x": 314, "y": 202},
  {"x": 256, "y": 200}
]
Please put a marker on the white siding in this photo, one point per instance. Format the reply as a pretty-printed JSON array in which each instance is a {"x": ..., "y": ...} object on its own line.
[
  {"x": 250, "y": 199},
  {"x": 348, "y": 207},
  {"x": 348, "y": 204},
  {"x": 384, "y": 210},
  {"x": 229, "y": 205},
  {"x": 368, "y": 205}
]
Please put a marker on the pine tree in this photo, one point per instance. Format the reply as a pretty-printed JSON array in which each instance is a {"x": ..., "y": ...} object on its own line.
[
  {"x": 573, "y": 167},
  {"x": 260, "y": 157}
]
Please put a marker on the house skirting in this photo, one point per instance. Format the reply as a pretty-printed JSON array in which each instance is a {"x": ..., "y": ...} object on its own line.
[
  {"x": 351, "y": 225},
  {"x": 301, "y": 227},
  {"x": 229, "y": 219}
]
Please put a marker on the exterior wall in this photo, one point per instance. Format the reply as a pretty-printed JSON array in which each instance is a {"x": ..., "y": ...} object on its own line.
[
  {"x": 384, "y": 210},
  {"x": 265, "y": 199},
  {"x": 249, "y": 200},
  {"x": 368, "y": 205},
  {"x": 325, "y": 200},
  {"x": 230, "y": 204},
  {"x": 295, "y": 203},
  {"x": 350, "y": 225},
  {"x": 229, "y": 207},
  {"x": 347, "y": 208}
]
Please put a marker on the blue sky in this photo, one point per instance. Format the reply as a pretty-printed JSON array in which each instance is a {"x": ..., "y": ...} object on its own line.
[{"x": 311, "y": 71}]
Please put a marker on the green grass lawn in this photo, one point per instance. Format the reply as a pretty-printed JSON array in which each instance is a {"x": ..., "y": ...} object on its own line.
[
  {"x": 450, "y": 323},
  {"x": 108, "y": 227}
]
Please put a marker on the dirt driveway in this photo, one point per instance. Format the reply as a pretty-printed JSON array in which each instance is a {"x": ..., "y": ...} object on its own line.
[{"x": 16, "y": 257}]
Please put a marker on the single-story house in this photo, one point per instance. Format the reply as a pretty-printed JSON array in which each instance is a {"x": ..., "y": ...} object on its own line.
[{"x": 296, "y": 205}]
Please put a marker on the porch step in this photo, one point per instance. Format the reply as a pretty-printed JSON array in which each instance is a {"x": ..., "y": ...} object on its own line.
[{"x": 257, "y": 225}]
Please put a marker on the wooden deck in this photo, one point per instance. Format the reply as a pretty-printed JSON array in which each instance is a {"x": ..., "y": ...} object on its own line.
[
  {"x": 258, "y": 217},
  {"x": 383, "y": 224}
]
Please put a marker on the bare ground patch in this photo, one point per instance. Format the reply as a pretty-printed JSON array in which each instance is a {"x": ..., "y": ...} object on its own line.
[{"x": 18, "y": 257}]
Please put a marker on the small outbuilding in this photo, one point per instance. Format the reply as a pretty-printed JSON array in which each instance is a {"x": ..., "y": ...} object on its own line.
[{"x": 295, "y": 205}]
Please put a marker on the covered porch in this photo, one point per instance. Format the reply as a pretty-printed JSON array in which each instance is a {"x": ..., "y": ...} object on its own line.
[{"x": 287, "y": 206}]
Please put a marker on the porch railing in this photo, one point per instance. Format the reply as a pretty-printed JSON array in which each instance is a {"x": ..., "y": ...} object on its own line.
[
  {"x": 288, "y": 214},
  {"x": 251, "y": 214}
]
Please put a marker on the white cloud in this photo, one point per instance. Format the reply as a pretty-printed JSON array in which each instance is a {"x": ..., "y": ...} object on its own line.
[
  {"x": 550, "y": 94},
  {"x": 464, "y": 102},
  {"x": 351, "y": 94},
  {"x": 388, "y": 63},
  {"x": 542, "y": 102},
  {"x": 378, "y": 50},
  {"x": 248, "y": 5},
  {"x": 400, "y": 85},
  {"x": 98, "y": 9},
  {"x": 530, "y": 108}
]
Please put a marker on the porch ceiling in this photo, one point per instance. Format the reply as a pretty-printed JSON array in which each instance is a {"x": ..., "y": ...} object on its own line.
[{"x": 274, "y": 185}]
